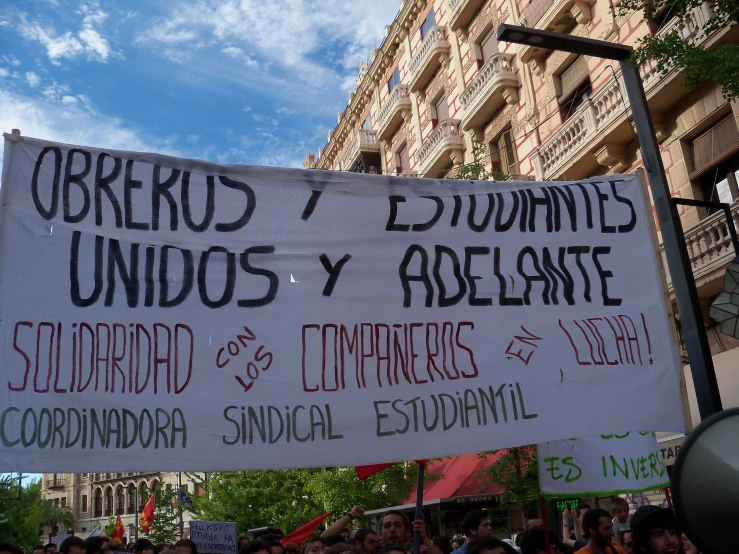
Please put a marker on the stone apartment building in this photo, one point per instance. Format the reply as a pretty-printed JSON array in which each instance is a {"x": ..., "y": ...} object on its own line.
[
  {"x": 93, "y": 497},
  {"x": 441, "y": 79}
]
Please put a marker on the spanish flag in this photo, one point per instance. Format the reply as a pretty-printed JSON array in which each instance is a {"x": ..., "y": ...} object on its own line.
[
  {"x": 147, "y": 514},
  {"x": 120, "y": 532}
]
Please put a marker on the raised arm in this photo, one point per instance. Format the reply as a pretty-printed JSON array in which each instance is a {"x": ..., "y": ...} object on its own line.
[{"x": 338, "y": 526}]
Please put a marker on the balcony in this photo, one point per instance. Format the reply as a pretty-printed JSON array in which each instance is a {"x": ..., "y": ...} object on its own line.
[
  {"x": 130, "y": 510},
  {"x": 363, "y": 153},
  {"x": 709, "y": 248},
  {"x": 98, "y": 513},
  {"x": 494, "y": 86},
  {"x": 463, "y": 11},
  {"x": 109, "y": 512},
  {"x": 56, "y": 483},
  {"x": 568, "y": 140},
  {"x": 432, "y": 54},
  {"x": 442, "y": 149},
  {"x": 394, "y": 111}
]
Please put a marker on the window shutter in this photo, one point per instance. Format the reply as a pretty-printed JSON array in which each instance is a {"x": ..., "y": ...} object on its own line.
[
  {"x": 442, "y": 110},
  {"x": 489, "y": 45},
  {"x": 573, "y": 77},
  {"x": 714, "y": 145},
  {"x": 507, "y": 151}
]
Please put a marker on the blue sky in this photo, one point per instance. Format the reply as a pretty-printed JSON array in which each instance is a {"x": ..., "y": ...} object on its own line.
[{"x": 232, "y": 81}]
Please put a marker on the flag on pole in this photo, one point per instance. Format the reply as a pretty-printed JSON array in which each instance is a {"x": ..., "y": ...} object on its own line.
[
  {"x": 119, "y": 532},
  {"x": 182, "y": 499},
  {"x": 147, "y": 514},
  {"x": 299, "y": 535},
  {"x": 96, "y": 531},
  {"x": 364, "y": 472}
]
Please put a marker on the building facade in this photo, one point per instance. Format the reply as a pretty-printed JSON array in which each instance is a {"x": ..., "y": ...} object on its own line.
[
  {"x": 94, "y": 497},
  {"x": 440, "y": 82}
]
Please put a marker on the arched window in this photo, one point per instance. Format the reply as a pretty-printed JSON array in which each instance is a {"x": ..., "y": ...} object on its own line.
[
  {"x": 143, "y": 494},
  {"x": 109, "y": 501},
  {"x": 120, "y": 500},
  {"x": 99, "y": 503},
  {"x": 131, "y": 499}
]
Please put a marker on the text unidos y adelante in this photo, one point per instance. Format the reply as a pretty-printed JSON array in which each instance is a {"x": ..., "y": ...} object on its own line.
[{"x": 91, "y": 187}]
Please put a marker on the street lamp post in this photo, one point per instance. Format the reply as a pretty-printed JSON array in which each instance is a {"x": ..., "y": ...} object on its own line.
[{"x": 678, "y": 261}]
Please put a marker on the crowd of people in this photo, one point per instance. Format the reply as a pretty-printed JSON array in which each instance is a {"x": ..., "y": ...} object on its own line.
[{"x": 650, "y": 530}]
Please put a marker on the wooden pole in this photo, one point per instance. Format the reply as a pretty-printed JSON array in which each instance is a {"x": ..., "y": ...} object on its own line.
[
  {"x": 419, "y": 507},
  {"x": 543, "y": 510}
]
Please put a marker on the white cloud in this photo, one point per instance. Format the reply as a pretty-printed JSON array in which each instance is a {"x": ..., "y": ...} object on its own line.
[
  {"x": 69, "y": 100},
  {"x": 238, "y": 54},
  {"x": 4, "y": 72},
  {"x": 247, "y": 108},
  {"x": 12, "y": 60},
  {"x": 265, "y": 119},
  {"x": 286, "y": 111},
  {"x": 32, "y": 79}
]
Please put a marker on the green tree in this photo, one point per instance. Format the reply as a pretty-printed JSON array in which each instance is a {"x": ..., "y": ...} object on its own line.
[
  {"x": 20, "y": 506},
  {"x": 697, "y": 63},
  {"x": 516, "y": 473},
  {"x": 52, "y": 516},
  {"x": 109, "y": 527},
  {"x": 166, "y": 524},
  {"x": 477, "y": 169},
  {"x": 288, "y": 498}
]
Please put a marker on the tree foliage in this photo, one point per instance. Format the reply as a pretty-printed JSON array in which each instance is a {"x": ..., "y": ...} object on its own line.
[
  {"x": 165, "y": 527},
  {"x": 52, "y": 516},
  {"x": 20, "y": 505},
  {"x": 477, "y": 169},
  {"x": 516, "y": 473},
  {"x": 670, "y": 50},
  {"x": 288, "y": 498}
]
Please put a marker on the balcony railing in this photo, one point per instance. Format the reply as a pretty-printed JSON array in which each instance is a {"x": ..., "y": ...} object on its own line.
[
  {"x": 362, "y": 141},
  {"x": 131, "y": 510},
  {"x": 56, "y": 483},
  {"x": 432, "y": 53},
  {"x": 495, "y": 85},
  {"x": 109, "y": 512},
  {"x": 397, "y": 106},
  {"x": 442, "y": 148},
  {"x": 463, "y": 11},
  {"x": 98, "y": 513},
  {"x": 120, "y": 511},
  {"x": 709, "y": 245},
  {"x": 567, "y": 140}
]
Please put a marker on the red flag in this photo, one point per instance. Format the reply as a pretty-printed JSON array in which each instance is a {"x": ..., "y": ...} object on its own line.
[
  {"x": 299, "y": 535},
  {"x": 120, "y": 531},
  {"x": 363, "y": 472},
  {"x": 147, "y": 514}
]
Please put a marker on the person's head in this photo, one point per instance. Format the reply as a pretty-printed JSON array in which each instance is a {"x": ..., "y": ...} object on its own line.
[
  {"x": 599, "y": 526},
  {"x": 394, "y": 527},
  {"x": 442, "y": 543},
  {"x": 534, "y": 523},
  {"x": 11, "y": 548},
  {"x": 186, "y": 546},
  {"x": 346, "y": 534},
  {"x": 366, "y": 539},
  {"x": 39, "y": 549},
  {"x": 291, "y": 548},
  {"x": 476, "y": 524},
  {"x": 627, "y": 542},
  {"x": 109, "y": 547},
  {"x": 343, "y": 548},
  {"x": 151, "y": 549},
  {"x": 275, "y": 547},
  {"x": 333, "y": 539},
  {"x": 534, "y": 541},
  {"x": 94, "y": 545},
  {"x": 256, "y": 546},
  {"x": 655, "y": 530},
  {"x": 312, "y": 546},
  {"x": 50, "y": 548},
  {"x": 688, "y": 546},
  {"x": 139, "y": 545},
  {"x": 73, "y": 545},
  {"x": 241, "y": 540},
  {"x": 620, "y": 509},
  {"x": 487, "y": 545}
]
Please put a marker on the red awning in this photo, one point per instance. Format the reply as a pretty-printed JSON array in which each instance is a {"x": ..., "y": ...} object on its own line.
[{"x": 460, "y": 478}]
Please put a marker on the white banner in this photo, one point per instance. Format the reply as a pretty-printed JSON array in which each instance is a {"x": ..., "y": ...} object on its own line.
[
  {"x": 213, "y": 537},
  {"x": 195, "y": 316},
  {"x": 602, "y": 465}
]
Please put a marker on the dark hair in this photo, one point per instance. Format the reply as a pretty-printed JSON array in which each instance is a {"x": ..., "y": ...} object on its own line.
[
  {"x": 406, "y": 521},
  {"x": 640, "y": 533},
  {"x": 188, "y": 543},
  {"x": 241, "y": 538},
  {"x": 153, "y": 547},
  {"x": 591, "y": 519},
  {"x": 276, "y": 542},
  {"x": 362, "y": 534},
  {"x": 443, "y": 543},
  {"x": 49, "y": 544},
  {"x": 471, "y": 521},
  {"x": 341, "y": 548},
  {"x": 140, "y": 544},
  {"x": 12, "y": 547},
  {"x": 69, "y": 542},
  {"x": 391, "y": 548},
  {"x": 534, "y": 539},
  {"x": 333, "y": 539},
  {"x": 622, "y": 534},
  {"x": 254, "y": 546},
  {"x": 94, "y": 544},
  {"x": 479, "y": 544}
]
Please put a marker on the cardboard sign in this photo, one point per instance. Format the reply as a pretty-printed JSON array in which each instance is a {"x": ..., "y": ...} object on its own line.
[
  {"x": 201, "y": 317},
  {"x": 601, "y": 466},
  {"x": 214, "y": 536}
]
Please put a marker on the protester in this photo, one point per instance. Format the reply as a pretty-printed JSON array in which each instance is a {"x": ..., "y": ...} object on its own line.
[
  {"x": 311, "y": 546},
  {"x": 457, "y": 542},
  {"x": 627, "y": 542},
  {"x": 512, "y": 544},
  {"x": 534, "y": 523},
  {"x": 292, "y": 548},
  {"x": 688, "y": 546},
  {"x": 241, "y": 540},
  {"x": 442, "y": 543},
  {"x": 331, "y": 540},
  {"x": 129, "y": 547},
  {"x": 395, "y": 528},
  {"x": 534, "y": 541},
  {"x": 488, "y": 545},
  {"x": 599, "y": 527},
  {"x": 655, "y": 530},
  {"x": 366, "y": 539},
  {"x": 339, "y": 527},
  {"x": 275, "y": 547},
  {"x": 475, "y": 524},
  {"x": 73, "y": 545},
  {"x": 346, "y": 534},
  {"x": 578, "y": 541},
  {"x": 49, "y": 548},
  {"x": 38, "y": 549},
  {"x": 140, "y": 545},
  {"x": 109, "y": 547},
  {"x": 94, "y": 545},
  {"x": 186, "y": 546},
  {"x": 620, "y": 512}
]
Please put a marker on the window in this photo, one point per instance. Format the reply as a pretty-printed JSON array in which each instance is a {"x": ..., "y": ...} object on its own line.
[
  {"x": 84, "y": 503},
  {"x": 367, "y": 125},
  {"x": 56, "y": 502},
  {"x": 394, "y": 80},
  {"x": 441, "y": 111},
  {"x": 715, "y": 157},
  {"x": 183, "y": 488},
  {"x": 403, "y": 162},
  {"x": 503, "y": 154},
  {"x": 84, "y": 529},
  {"x": 64, "y": 502},
  {"x": 426, "y": 26},
  {"x": 575, "y": 87},
  {"x": 489, "y": 45}
]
